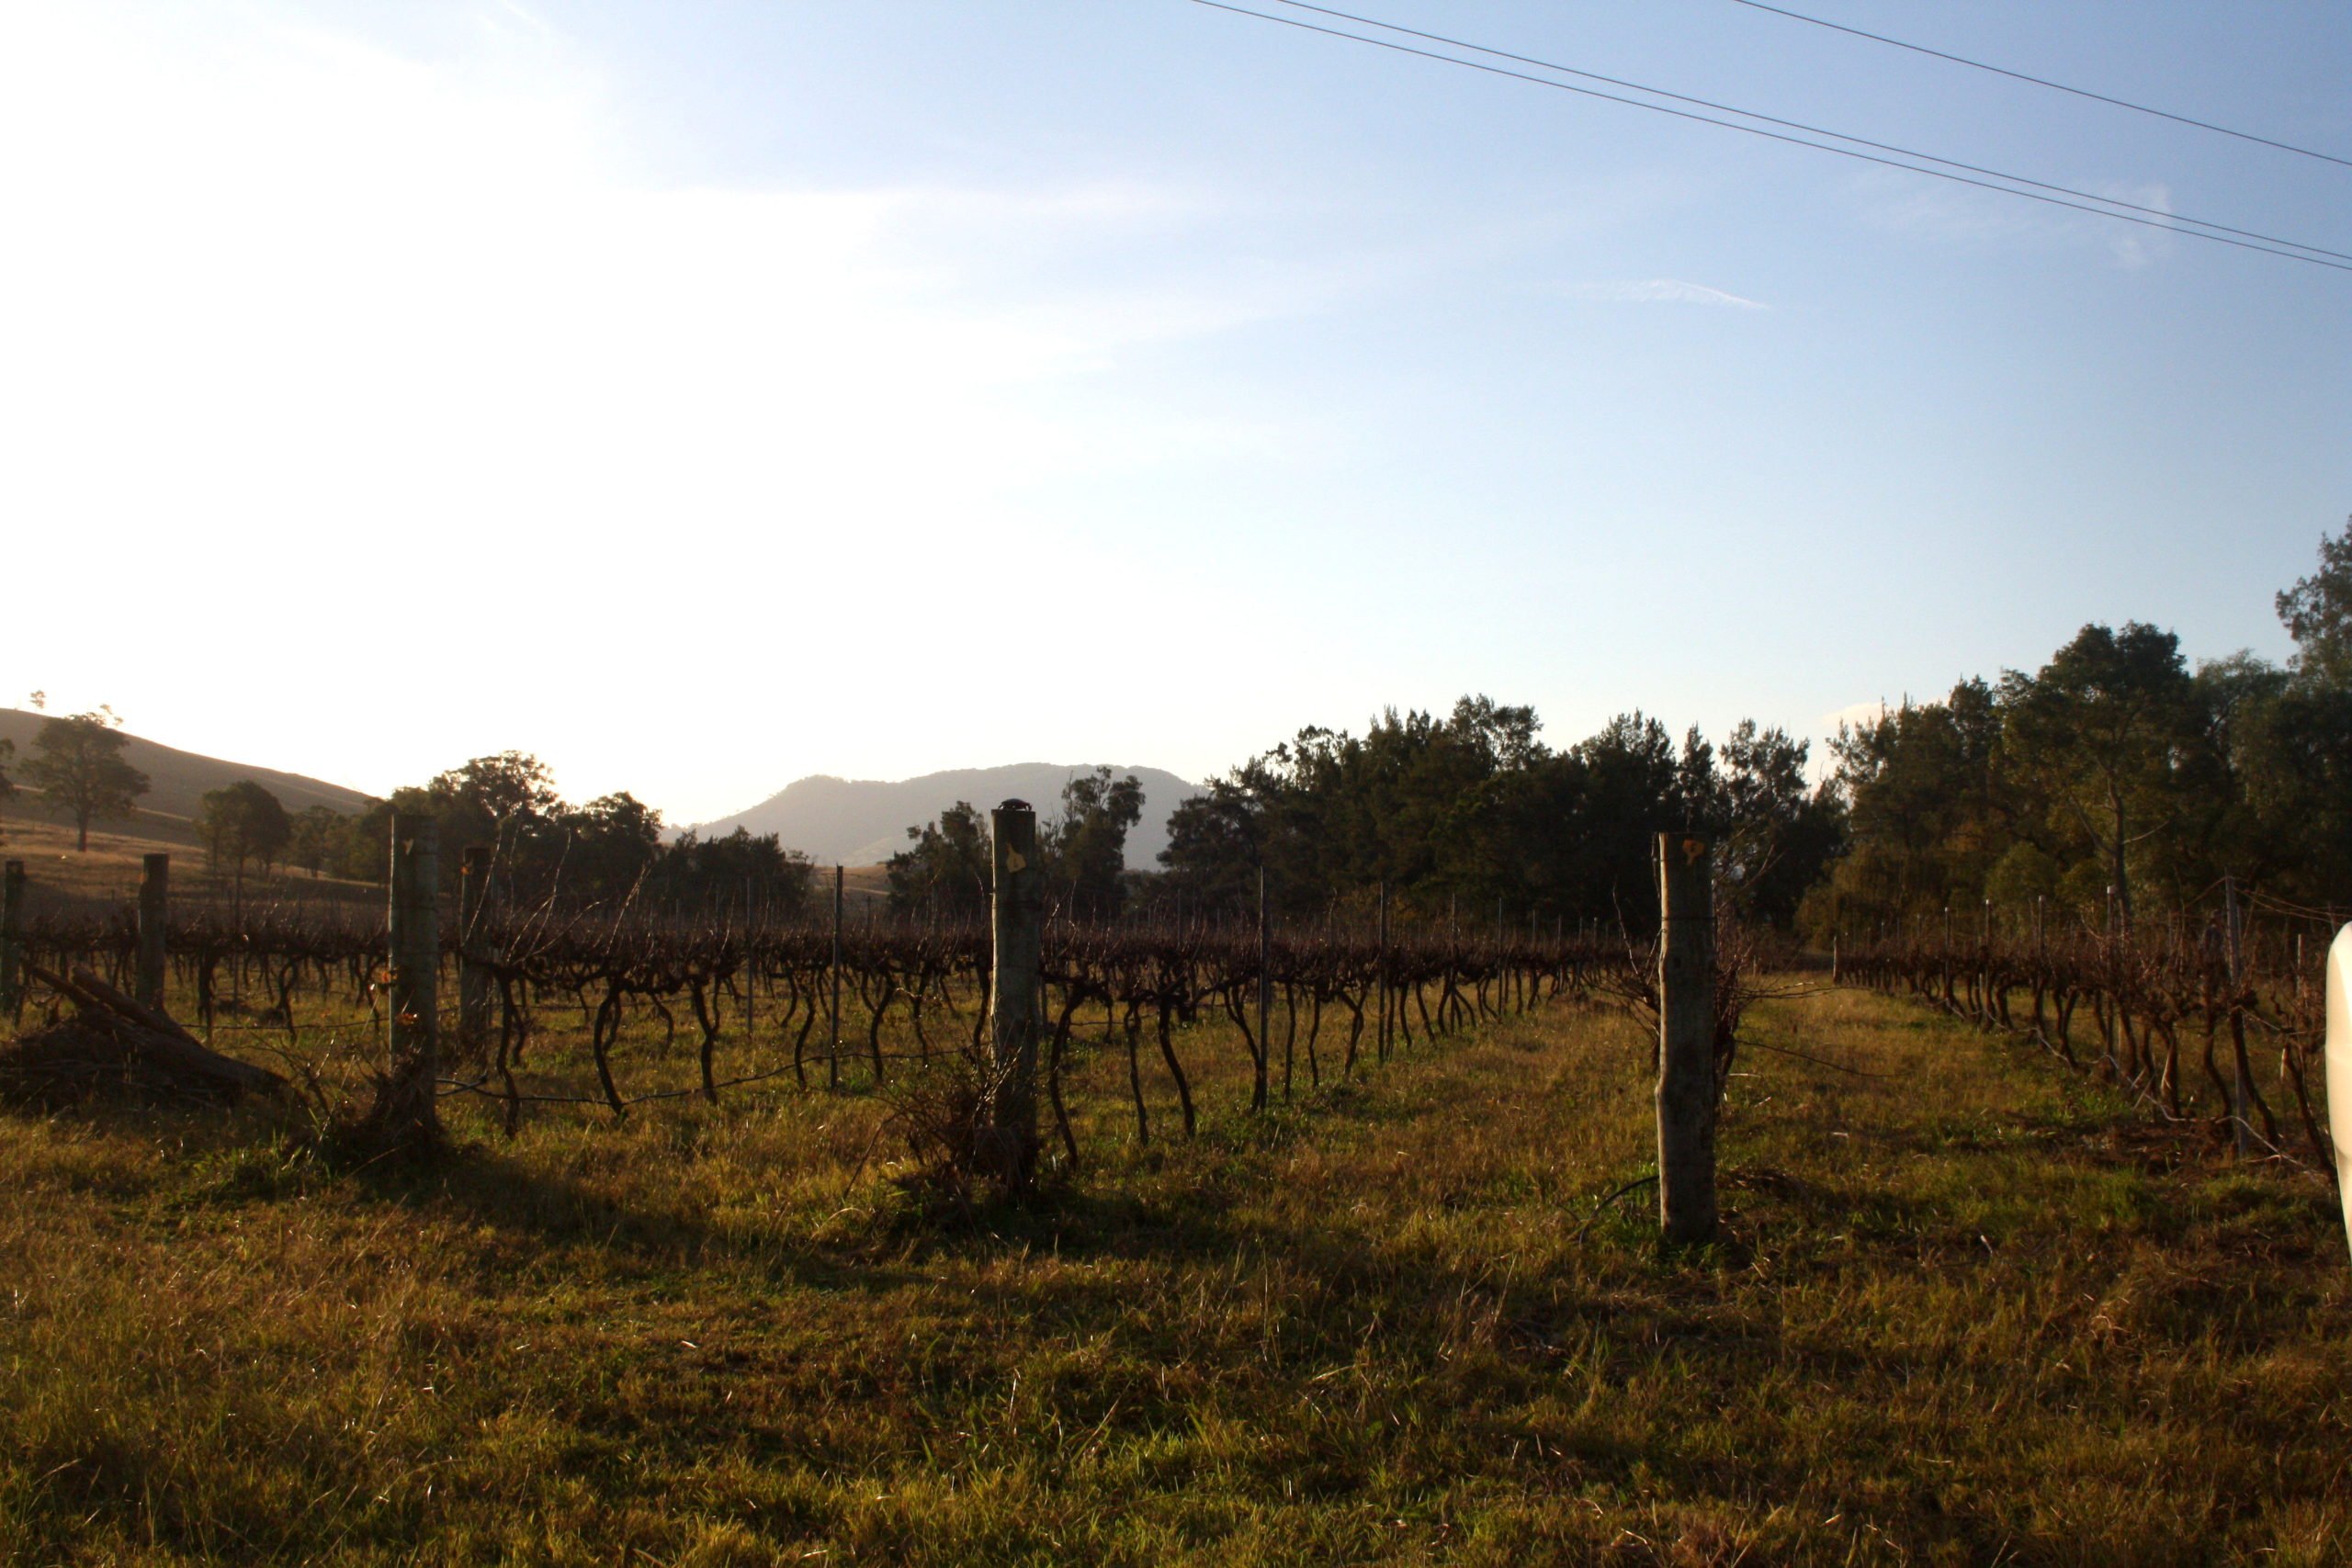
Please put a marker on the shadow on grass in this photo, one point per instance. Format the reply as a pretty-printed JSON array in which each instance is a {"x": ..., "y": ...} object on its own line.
[{"x": 487, "y": 1189}]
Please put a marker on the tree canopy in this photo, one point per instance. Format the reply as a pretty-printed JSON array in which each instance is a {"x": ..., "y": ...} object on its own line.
[
  {"x": 944, "y": 875},
  {"x": 79, "y": 768},
  {"x": 945, "y": 870},
  {"x": 2112, "y": 784},
  {"x": 244, "y": 821},
  {"x": 1474, "y": 811},
  {"x": 2318, "y": 613},
  {"x": 612, "y": 849}
]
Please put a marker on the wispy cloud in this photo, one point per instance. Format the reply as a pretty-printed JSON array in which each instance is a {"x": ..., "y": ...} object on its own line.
[
  {"x": 2132, "y": 246},
  {"x": 1955, "y": 215},
  {"x": 1855, "y": 713},
  {"x": 1660, "y": 291}
]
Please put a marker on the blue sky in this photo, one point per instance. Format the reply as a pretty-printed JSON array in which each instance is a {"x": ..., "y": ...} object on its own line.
[{"x": 704, "y": 396}]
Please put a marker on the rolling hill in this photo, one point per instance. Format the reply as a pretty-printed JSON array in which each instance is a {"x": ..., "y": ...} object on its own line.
[
  {"x": 862, "y": 821},
  {"x": 177, "y": 781}
]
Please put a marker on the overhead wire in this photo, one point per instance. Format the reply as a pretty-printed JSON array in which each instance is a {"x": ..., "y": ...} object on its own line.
[
  {"x": 2160, "y": 218},
  {"x": 2045, "y": 82},
  {"x": 2171, "y": 223},
  {"x": 2165, "y": 213}
]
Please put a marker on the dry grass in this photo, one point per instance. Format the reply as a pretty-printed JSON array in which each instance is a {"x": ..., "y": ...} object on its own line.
[
  {"x": 109, "y": 869},
  {"x": 1966, "y": 1313},
  {"x": 108, "y": 872}
]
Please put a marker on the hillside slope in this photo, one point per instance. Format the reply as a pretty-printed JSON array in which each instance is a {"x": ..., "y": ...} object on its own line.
[
  {"x": 862, "y": 821},
  {"x": 177, "y": 780}
]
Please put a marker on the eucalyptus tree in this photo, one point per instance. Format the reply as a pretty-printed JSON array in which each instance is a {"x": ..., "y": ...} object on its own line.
[{"x": 79, "y": 768}]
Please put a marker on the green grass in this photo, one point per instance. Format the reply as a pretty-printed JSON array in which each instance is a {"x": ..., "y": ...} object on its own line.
[{"x": 1966, "y": 1312}]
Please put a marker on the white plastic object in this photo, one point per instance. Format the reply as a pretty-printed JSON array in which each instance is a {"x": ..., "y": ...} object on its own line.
[{"x": 2339, "y": 1064}]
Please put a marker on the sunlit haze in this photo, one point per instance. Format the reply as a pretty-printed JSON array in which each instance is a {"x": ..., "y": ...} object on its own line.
[{"x": 701, "y": 397}]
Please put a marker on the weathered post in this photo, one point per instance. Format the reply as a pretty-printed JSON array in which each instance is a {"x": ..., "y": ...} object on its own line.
[
  {"x": 1009, "y": 1142},
  {"x": 1265, "y": 1003},
  {"x": 2241, "y": 1126},
  {"x": 406, "y": 1109},
  {"x": 1381, "y": 1044},
  {"x": 833, "y": 1052},
  {"x": 1686, "y": 1066},
  {"x": 473, "y": 947},
  {"x": 12, "y": 939},
  {"x": 154, "y": 907},
  {"x": 750, "y": 959}
]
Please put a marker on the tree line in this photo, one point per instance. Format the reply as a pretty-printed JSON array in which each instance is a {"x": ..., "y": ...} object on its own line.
[
  {"x": 1472, "y": 807},
  {"x": 2112, "y": 781},
  {"x": 1473, "y": 812},
  {"x": 608, "y": 849},
  {"x": 2112, "y": 785},
  {"x": 944, "y": 872}
]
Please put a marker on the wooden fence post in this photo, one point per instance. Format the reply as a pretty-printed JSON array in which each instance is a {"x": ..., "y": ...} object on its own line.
[
  {"x": 833, "y": 1052},
  {"x": 473, "y": 946},
  {"x": 1258, "y": 1096},
  {"x": 2241, "y": 1125},
  {"x": 1009, "y": 1105},
  {"x": 407, "y": 1110},
  {"x": 12, "y": 940},
  {"x": 1685, "y": 1067},
  {"x": 1381, "y": 1043},
  {"x": 751, "y": 961},
  {"x": 154, "y": 908}
]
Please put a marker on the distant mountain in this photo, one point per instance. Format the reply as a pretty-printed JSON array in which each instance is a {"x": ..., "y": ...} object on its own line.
[
  {"x": 865, "y": 821},
  {"x": 177, "y": 781}
]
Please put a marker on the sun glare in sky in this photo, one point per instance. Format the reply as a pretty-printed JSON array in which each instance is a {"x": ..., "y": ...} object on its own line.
[{"x": 704, "y": 399}]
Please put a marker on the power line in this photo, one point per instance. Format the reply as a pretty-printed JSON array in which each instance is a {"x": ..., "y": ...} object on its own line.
[
  {"x": 2043, "y": 81},
  {"x": 2106, "y": 201},
  {"x": 2270, "y": 245}
]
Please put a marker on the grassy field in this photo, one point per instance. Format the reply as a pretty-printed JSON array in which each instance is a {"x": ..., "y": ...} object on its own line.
[
  {"x": 1967, "y": 1313},
  {"x": 109, "y": 870}
]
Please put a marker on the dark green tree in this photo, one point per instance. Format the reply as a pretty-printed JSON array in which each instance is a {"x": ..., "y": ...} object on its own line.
[
  {"x": 2098, "y": 731},
  {"x": 497, "y": 799},
  {"x": 316, "y": 832},
  {"x": 362, "y": 846},
  {"x": 944, "y": 875},
  {"x": 1778, "y": 832},
  {"x": 1086, "y": 847},
  {"x": 244, "y": 822},
  {"x": 79, "y": 770},
  {"x": 1216, "y": 840},
  {"x": 735, "y": 867},
  {"x": 2294, "y": 773},
  {"x": 601, "y": 850},
  {"x": 1471, "y": 811},
  {"x": 2318, "y": 613},
  {"x": 1929, "y": 810}
]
